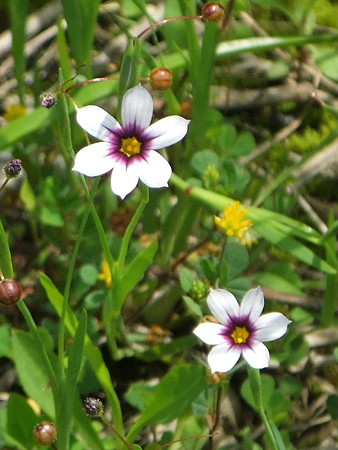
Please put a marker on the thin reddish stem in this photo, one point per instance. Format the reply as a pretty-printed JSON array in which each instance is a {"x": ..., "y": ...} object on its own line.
[{"x": 163, "y": 22}]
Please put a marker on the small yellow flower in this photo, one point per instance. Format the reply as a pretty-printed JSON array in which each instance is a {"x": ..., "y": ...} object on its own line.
[
  {"x": 105, "y": 275},
  {"x": 235, "y": 225},
  {"x": 13, "y": 112}
]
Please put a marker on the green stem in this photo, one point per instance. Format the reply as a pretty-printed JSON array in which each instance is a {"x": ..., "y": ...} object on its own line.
[
  {"x": 117, "y": 434},
  {"x": 256, "y": 388},
  {"x": 61, "y": 338},
  {"x": 131, "y": 227}
]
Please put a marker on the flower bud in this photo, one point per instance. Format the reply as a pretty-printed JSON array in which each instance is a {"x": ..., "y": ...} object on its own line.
[
  {"x": 47, "y": 100},
  {"x": 13, "y": 168},
  {"x": 45, "y": 433},
  {"x": 199, "y": 289},
  {"x": 161, "y": 78},
  {"x": 213, "y": 12},
  {"x": 10, "y": 292},
  {"x": 93, "y": 407}
]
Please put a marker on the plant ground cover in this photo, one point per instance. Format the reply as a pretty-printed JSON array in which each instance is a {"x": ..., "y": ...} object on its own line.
[{"x": 127, "y": 239}]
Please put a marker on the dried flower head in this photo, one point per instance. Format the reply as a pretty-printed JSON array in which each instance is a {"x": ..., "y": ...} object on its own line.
[
  {"x": 47, "y": 100},
  {"x": 13, "y": 168},
  {"x": 93, "y": 407}
]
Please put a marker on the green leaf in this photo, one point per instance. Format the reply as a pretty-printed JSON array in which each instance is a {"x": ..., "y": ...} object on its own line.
[
  {"x": 27, "y": 195},
  {"x": 35, "y": 382},
  {"x": 173, "y": 397},
  {"x": 203, "y": 159},
  {"x": 193, "y": 306},
  {"x": 243, "y": 145},
  {"x": 186, "y": 279},
  {"x": 332, "y": 406},
  {"x": 293, "y": 246},
  {"x": 268, "y": 387},
  {"x": 18, "y": 13},
  {"x": 237, "y": 258},
  {"x": 129, "y": 67},
  {"x": 21, "y": 420},
  {"x": 5, "y": 254},
  {"x": 91, "y": 351},
  {"x": 81, "y": 18},
  {"x": 5, "y": 341},
  {"x": 65, "y": 402},
  {"x": 139, "y": 395},
  {"x": 134, "y": 273}
]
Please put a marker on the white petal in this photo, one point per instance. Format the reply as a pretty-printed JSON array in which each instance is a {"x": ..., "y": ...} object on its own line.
[
  {"x": 252, "y": 304},
  {"x": 271, "y": 326},
  {"x": 257, "y": 355},
  {"x": 94, "y": 160},
  {"x": 223, "y": 305},
  {"x": 124, "y": 179},
  {"x": 167, "y": 131},
  {"x": 155, "y": 171},
  {"x": 97, "y": 122},
  {"x": 137, "y": 107},
  {"x": 222, "y": 358},
  {"x": 210, "y": 333}
]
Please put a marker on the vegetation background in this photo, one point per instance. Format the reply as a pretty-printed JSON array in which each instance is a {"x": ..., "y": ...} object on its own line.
[{"x": 111, "y": 289}]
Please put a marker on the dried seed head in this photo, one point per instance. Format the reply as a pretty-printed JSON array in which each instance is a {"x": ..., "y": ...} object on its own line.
[
  {"x": 47, "y": 99},
  {"x": 10, "y": 292},
  {"x": 161, "y": 78},
  {"x": 213, "y": 12},
  {"x": 93, "y": 407},
  {"x": 13, "y": 168},
  {"x": 45, "y": 433}
]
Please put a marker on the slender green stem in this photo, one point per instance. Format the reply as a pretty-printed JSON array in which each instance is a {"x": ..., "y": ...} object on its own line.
[
  {"x": 131, "y": 227},
  {"x": 61, "y": 338},
  {"x": 118, "y": 435},
  {"x": 256, "y": 388}
]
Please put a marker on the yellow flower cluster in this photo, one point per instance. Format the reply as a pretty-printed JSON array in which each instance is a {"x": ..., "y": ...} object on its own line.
[
  {"x": 235, "y": 225},
  {"x": 105, "y": 275}
]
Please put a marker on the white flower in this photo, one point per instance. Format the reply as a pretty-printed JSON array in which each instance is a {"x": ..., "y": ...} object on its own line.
[
  {"x": 242, "y": 330},
  {"x": 128, "y": 149}
]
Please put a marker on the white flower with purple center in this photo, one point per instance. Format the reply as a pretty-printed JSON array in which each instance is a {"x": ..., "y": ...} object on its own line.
[
  {"x": 241, "y": 331},
  {"x": 128, "y": 150}
]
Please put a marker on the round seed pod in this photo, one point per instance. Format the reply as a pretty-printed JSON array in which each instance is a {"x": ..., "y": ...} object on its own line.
[
  {"x": 161, "y": 78},
  {"x": 45, "y": 433},
  {"x": 10, "y": 292},
  {"x": 213, "y": 12}
]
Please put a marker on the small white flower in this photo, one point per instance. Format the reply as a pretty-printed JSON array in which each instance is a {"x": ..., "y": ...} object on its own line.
[
  {"x": 242, "y": 330},
  {"x": 128, "y": 150}
]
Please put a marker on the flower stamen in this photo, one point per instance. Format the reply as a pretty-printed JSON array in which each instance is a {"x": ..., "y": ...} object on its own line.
[
  {"x": 240, "y": 335},
  {"x": 131, "y": 146}
]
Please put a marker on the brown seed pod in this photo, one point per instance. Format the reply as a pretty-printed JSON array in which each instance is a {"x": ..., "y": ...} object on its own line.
[
  {"x": 45, "y": 433},
  {"x": 161, "y": 78},
  {"x": 213, "y": 12},
  {"x": 10, "y": 292}
]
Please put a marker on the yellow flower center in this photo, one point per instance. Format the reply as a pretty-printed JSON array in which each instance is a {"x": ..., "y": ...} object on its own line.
[
  {"x": 234, "y": 223},
  {"x": 240, "y": 335},
  {"x": 131, "y": 146}
]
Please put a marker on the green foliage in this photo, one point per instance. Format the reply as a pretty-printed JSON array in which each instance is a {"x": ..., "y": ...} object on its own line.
[{"x": 130, "y": 341}]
